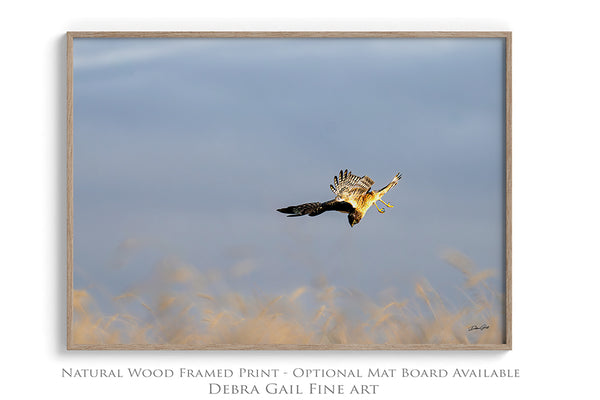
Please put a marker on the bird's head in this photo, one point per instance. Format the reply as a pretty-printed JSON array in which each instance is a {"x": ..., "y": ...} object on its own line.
[{"x": 354, "y": 218}]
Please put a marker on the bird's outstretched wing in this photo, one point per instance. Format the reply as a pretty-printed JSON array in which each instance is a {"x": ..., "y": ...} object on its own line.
[
  {"x": 349, "y": 186},
  {"x": 317, "y": 208}
]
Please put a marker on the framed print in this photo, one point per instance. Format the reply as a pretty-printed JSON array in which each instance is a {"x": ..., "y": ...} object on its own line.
[{"x": 189, "y": 151}]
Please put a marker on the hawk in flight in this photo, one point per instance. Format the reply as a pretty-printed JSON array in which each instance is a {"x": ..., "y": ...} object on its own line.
[{"x": 353, "y": 195}]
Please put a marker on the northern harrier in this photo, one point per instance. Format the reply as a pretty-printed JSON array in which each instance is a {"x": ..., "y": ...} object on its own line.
[{"x": 353, "y": 195}]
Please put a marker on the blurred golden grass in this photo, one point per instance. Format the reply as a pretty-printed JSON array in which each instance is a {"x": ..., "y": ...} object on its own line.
[{"x": 176, "y": 307}]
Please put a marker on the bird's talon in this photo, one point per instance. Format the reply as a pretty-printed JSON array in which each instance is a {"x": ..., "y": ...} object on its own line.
[{"x": 389, "y": 205}]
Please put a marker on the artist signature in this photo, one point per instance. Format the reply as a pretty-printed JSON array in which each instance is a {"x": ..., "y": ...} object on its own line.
[{"x": 481, "y": 327}]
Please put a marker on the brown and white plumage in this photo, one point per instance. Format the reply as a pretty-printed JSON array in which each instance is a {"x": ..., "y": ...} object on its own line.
[{"x": 353, "y": 195}]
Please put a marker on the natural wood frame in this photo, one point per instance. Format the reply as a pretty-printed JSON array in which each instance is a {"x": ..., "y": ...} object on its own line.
[{"x": 308, "y": 34}]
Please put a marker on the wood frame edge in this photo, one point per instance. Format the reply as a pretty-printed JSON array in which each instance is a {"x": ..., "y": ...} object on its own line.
[{"x": 289, "y": 34}]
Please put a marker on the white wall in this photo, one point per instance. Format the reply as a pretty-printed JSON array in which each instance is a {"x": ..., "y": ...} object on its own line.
[{"x": 555, "y": 141}]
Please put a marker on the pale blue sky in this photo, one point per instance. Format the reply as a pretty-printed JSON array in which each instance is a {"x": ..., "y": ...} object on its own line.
[{"x": 186, "y": 147}]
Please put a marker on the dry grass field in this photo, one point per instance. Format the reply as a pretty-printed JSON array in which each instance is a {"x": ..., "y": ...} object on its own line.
[{"x": 176, "y": 307}]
